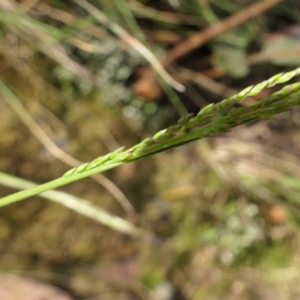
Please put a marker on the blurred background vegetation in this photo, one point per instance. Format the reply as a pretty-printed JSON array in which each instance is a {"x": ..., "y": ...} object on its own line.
[{"x": 225, "y": 211}]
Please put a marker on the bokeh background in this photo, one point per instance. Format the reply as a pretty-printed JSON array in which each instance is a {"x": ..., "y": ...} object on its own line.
[{"x": 224, "y": 211}]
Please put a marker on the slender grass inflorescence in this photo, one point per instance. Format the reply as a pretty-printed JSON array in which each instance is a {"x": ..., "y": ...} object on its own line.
[{"x": 211, "y": 120}]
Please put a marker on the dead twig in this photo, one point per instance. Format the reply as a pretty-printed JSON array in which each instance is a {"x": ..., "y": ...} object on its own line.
[{"x": 198, "y": 39}]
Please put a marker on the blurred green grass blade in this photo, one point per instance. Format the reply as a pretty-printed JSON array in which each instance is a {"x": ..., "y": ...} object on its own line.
[
  {"x": 21, "y": 23},
  {"x": 149, "y": 12},
  {"x": 79, "y": 205},
  {"x": 130, "y": 20}
]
